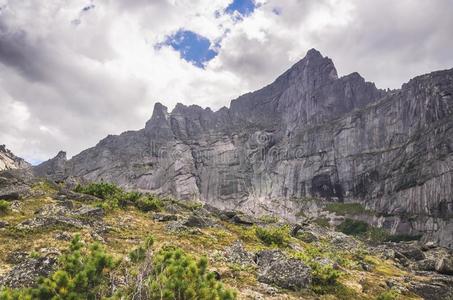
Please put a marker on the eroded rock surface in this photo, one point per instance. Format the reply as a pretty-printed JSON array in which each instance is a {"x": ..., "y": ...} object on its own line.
[
  {"x": 277, "y": 269},
  {"x": 9, "y": 161},
  {"x": 308, "y": 134},
  {"x": 27, "y": 273}
]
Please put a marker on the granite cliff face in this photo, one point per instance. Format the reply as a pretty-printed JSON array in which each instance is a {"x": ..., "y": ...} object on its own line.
[
  {"x": 308, "y": 134},
  {"x": 8, "y": 161}
]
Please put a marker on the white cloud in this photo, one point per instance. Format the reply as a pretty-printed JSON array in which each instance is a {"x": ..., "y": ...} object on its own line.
[{"x": 65, "y": 85}]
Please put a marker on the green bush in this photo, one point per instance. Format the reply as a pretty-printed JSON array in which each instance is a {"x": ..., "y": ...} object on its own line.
[
  {"x": 4, "y": 206},
  {"x": 268, "y": 219},
  {"x": 149, "y": 203},
  {"x": 347, "y": 208},
  {"x": 353, "y": 227},
  {"x": 389, "y": 295},
  {"x": 377, "y": 235},
  {"x": 278, "y": 236},
  {"x": 101, "y": 190},
  {"x": 324, "y": 274},
  {"x": 82, "y": 274},
  {"x": 139, "y": 253},
  {"x": 114, "y": 197},
  {"x": 177, "y": 275},
  {"x": 323, "y": 222},
  {"x": 131, "y": 197}
]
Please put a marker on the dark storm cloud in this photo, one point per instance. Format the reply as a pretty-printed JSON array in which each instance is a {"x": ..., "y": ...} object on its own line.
[{"x": 16, "y": 53}]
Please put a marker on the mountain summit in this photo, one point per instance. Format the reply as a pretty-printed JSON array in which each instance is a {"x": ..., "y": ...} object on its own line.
[{"x": 308, "y": 135}]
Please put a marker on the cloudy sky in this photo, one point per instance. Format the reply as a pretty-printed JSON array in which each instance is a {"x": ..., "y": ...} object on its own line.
[{"x": 73, "y": 71}]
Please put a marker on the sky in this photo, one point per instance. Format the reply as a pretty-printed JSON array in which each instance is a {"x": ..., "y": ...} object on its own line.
[{"x": 74, "y": 71}]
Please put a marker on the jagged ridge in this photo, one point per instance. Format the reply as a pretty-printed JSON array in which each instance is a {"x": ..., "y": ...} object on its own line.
[{"x": 308, "y": 134}]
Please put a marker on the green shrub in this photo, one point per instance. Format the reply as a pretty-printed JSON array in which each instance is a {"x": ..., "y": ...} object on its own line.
[
  {"x": 114, "y": 197},
  {"x": 324, "y": 274},
  {"x": 4, "y": 206},
  {"x": 81, "y": 275},
  {"x": 130, "y": 197},
  {"x": 353, "y": 227},
  {"x": 268, "y": 219},
  {"x": 347, "y": 208},
  {"x": 377, "y": 235},
  {"x": 101, "y": 190},
  {"x": 149, "y": 203},
  {"x": 323, "y": 222},
  {"x": 177, "y": 275},
  {"x": 139, "y": 253},
  {"x": 278, "y": 236},
  {"x": 388, "y": 295}
]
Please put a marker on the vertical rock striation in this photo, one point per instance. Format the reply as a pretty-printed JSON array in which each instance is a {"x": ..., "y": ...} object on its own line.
[{"x": 308, "y": 134}]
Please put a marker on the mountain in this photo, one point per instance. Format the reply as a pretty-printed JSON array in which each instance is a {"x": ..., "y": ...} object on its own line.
[
  {"x": 305, "y": 141},
  {"x": 9, "y": 161}
]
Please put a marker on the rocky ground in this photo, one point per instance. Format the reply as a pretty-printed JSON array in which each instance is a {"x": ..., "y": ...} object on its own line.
[{"x": 260, "y": 257}]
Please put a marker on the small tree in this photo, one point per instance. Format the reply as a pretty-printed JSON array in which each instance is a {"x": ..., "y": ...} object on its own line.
[
  {"x": 4, "y": 206},
  {"x": 81, "y": 275},
  {"x": 177, "y": 275},
  {"x": 278, "y": 236}
]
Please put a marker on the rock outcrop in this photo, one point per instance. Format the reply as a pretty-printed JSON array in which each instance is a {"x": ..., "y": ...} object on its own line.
[
  {"x": 308, "y": 134},
  {"x": 8, "y": 161}
]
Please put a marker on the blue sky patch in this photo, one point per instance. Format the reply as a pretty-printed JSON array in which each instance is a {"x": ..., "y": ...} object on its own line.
[
  {"x": 243, "y": 7},
  {"x": 192, "y": 47}
]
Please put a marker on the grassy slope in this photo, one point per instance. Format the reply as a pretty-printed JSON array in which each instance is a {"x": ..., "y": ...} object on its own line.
[{"x": 130, "y": 226}]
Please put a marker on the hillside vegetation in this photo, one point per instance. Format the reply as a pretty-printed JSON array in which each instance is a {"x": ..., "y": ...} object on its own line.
[{"x": 98, "y": 241}]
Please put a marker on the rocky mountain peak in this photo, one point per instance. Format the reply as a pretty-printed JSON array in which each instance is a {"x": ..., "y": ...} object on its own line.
[
  {"x": 309, "y": 134},
  {"x": 53, "y": 168},
  {"x": 159, "y": 126},
  {"x": 10, "y": 161},
  {"x": 160, "y": 114},
  {"x": 61, "y": 155},
  {"x": 314, "y": 69}
]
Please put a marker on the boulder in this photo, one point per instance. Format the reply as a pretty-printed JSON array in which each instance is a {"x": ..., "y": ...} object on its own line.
[
  {"x": 52, "y": 210},
  {"x": 48, "y": 221},
  {"x": 426, "y": 265},
  {"x": 445, "y": 265},
  {"x": 343, "y": 241},
  {"x": 238, "y": 255},
  {"x": 27, "y": 273},
  {"x": 176, "y": 227},
  {"x": 65, "y": 194},
  {"x": 276, "y": 269},
  {"x": 436, "y": 288},
  {"x": 198, "y": 221},
  {"x": 410, "y": 251},
  {"x": 159, "y": 217},
  {"x": 89, "y": 211},
  {"x": 63, "y": 236},
  {"x": 16, "y": 257},
  {"x": 243, "y": 219},
  {"x": 300, "y": 233},
  {"x": 10, "y": 196},
  {"x": 3, "y": 224}
]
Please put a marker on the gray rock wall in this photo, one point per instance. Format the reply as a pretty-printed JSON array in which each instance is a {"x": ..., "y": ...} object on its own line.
[{"x": 308, "y": 134}]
